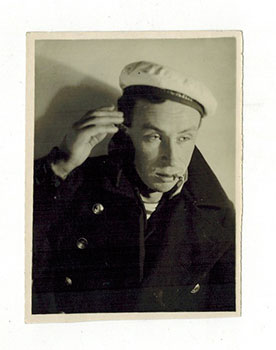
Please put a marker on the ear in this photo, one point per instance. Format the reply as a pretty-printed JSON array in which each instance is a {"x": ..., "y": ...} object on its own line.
[{"x": 124, "y": 128}]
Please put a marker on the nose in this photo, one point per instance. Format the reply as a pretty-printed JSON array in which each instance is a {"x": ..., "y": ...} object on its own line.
[{"x": 169, "y": 153}]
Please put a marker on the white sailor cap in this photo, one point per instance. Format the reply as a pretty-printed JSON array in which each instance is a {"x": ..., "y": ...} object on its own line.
[{"x": 168, "y": 83}]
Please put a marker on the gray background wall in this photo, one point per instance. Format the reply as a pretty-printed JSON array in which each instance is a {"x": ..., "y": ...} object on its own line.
[{"x": 73, "y": 76}]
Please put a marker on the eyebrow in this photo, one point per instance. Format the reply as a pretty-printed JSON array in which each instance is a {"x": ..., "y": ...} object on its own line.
[{"x": 150, "y": 126}]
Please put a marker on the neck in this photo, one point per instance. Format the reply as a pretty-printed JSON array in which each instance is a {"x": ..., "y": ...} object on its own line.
[{"x": 152, "y": 197}]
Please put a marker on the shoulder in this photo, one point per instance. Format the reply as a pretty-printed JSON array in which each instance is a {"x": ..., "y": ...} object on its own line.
[
  {"x": 95, "y": 163},
  {"x": 98, "y": 167}
]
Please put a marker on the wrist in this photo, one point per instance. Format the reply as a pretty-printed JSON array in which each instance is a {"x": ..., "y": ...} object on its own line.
[
  {"x": 60, "y": 164},
  {"x": 62, "y": 168}
]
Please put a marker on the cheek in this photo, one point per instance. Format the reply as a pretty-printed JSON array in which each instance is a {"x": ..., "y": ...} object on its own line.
[
  {"x": 188, "y": 150},
  {"x": 185, "y": 152},
  {"x": 146, "y": 153}
]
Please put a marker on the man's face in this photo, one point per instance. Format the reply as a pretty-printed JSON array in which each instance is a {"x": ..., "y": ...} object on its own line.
[{"x": 163, "y": 136}]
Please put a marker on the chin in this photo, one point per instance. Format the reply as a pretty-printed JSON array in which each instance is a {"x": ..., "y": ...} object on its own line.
[{"x": 161, "y": 187}]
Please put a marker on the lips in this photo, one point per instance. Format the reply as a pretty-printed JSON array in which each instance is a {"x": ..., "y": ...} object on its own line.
[{"x": 166, "y": 177}]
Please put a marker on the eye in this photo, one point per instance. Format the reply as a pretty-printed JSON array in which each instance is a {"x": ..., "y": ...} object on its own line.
[
  {"x": 153, "y": 137},
  {"x": 184, "y": 138}
]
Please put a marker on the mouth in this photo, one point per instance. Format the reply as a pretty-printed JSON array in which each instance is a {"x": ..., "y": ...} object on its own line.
[{"x": 167, "y": 177}]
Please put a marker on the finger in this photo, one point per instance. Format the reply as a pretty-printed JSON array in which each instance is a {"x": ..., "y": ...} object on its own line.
[
  {"x": 108, "y": 108},
  {"x": 104, "y": 108},
  {"x": 106, "y": 120},
  {"x": 104, "y": 129},
  {"x": 98, "y": 113},
  {"x": 102, "y": 113}
]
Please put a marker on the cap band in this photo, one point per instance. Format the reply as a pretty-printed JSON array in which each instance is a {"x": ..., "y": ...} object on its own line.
[{"x": 146, "y": 90}]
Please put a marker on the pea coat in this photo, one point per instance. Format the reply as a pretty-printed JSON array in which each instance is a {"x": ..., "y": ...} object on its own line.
[{"x": 94, "y": 250}]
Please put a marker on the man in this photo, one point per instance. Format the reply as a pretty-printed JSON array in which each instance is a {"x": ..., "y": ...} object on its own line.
[{"x": 146, "y": 228}]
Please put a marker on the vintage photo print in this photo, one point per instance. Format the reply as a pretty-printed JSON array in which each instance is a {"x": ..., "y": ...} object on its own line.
[{"x": 133, "y": 175}]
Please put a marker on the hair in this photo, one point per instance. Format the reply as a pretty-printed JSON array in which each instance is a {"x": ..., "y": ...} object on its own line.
[
  {"x": 152, "y": 94},
  {"x": 127, "y": 101}
]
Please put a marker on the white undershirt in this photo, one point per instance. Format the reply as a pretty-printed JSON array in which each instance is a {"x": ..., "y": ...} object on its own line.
[{"x": 150, "y": 207}]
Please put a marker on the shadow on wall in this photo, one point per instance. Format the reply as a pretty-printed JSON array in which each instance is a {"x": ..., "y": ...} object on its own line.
[{"x": 70, "y": 94}]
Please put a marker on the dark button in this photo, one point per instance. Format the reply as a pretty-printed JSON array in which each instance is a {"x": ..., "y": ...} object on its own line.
[
  {"x": 106, "y": 284},
  {"x": 158, "y": 295},
  {"x": 56, "y": 182},
  {"x": 195, "y": 289},
  {"x": 82, "y": 243},
  {"x": 97, "y": 208},
  {"x": 68, "y": 281}
]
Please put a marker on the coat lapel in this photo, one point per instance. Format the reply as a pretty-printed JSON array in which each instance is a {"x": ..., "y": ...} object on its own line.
[
  {"x": 210, "y": 241},
  {"x": 207, "y": 204}
]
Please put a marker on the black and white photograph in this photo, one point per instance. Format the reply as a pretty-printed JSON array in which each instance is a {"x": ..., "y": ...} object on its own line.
[{"x": 135, "y": 154}]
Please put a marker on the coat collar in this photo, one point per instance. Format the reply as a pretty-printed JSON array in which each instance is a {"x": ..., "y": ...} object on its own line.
[{"x": 202, "y": 185}]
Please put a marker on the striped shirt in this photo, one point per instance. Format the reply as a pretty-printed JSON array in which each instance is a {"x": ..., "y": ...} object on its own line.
[{"x": 151, "y": 206}]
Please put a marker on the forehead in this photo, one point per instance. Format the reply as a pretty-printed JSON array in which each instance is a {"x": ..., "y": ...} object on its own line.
[{"x": 168, "y": 115}]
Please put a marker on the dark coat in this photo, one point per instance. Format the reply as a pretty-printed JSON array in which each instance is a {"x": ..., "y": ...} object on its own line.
[{"x": 90, "y": 253}]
